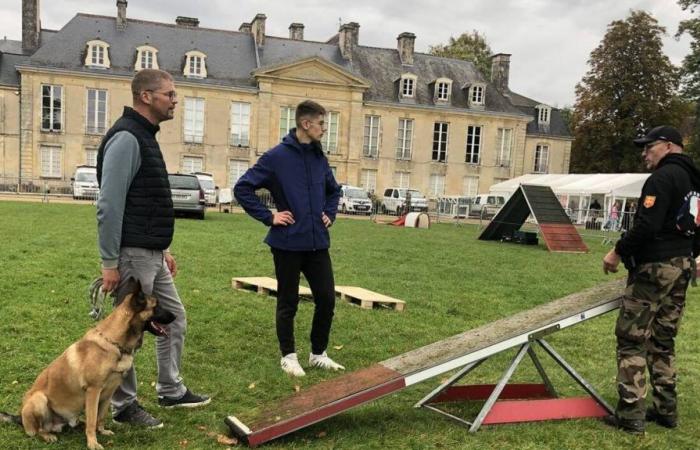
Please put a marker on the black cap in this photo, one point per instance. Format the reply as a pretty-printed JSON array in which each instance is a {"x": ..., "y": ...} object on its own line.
[{"x": 660, "y": 133}]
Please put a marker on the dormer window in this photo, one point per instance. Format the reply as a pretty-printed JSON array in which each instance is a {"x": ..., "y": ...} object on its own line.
[
  {"x": 408, "y": 86},
  {"x": 443, "y": 89},
  {"x": 146, "y": 58},
  {"x": 195, "y": 65},
  {"x": 543, "y": 114},
  {"x": 97, "y": 54},
  {"x": 476, "y": 96}
]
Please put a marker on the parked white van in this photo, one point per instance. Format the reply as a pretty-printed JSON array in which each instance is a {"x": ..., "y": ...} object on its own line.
[
  {"x": 395, "y": 199},
  {"x": 354, "y": 199},
  {"x": 206, "y": 181},
  {"x": 486, "y": 205},
  {"x": 84, "y": 183}
]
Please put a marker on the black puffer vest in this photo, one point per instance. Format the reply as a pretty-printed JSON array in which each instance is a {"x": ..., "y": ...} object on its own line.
[{"x": 149, "y": 218}]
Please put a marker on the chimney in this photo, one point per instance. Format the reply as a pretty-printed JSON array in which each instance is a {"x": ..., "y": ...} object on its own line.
[
  {"x": 296, "y": 31},
  {"x": 258, "y": 29},
  {"x": 500, "y": 69},
  {"x": 348, "y": 38},
  {"x": 31, "y": 26},
  {"x": 121, "y": 14},
  {"x": 245, "y": 28},
  {"x": 406, "y": 42},
  {"x": 187, "y": 21}
]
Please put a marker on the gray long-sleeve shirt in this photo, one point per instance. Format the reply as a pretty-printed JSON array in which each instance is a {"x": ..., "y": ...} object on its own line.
[{"x": 121, "y": 162}]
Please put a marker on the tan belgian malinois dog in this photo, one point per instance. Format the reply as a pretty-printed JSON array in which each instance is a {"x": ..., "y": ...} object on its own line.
[{"x": 86, "y": 375}]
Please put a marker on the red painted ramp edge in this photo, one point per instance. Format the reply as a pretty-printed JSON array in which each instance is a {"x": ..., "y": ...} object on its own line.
[
  {"x": 512, "y": 411},
  {"x": 257, "y": 437}
]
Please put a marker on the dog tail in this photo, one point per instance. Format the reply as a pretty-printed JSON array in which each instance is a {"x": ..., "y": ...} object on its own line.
[{"x": 10, "y": 418}]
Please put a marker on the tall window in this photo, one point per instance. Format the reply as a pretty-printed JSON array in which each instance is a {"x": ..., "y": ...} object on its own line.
[
  {"x": 471, "y": 186},
  {"x": 440, "y": 141},
  {"x": 505, "y": 144},
  {"x": 50, "y": 161},
  {"x": 98, "y": 55},
  {"x": 473, "y": 144},
  {"x": 541, "y": 158},
  {"x": 370, "y": 147},
  {"x": 407, "y": 86},
  {"x": 146, "y": 59},
  {"x": 402, "y": 179},
  {"x": 51, "y": 108},
  {"x": 543, "y": 114},
  {"x": 330, "y": 138},
  {"x": 287, "y": 121},
  {"x": 437, "y": 185},
  {"x": 96, "y": 118},
  {"x": 236, "y": 170},
  {"x": 368, "y": 180},
  {"x": 91, "y": 157},
  {"x": 405, "y": 138},
  {"x": 240, "y": 124},
  {"x": 477, "y": 95},
  {"x": 191, "y": 164},
  {"x": 443, "y": 91},
  {"x": 194, "y": 120}
]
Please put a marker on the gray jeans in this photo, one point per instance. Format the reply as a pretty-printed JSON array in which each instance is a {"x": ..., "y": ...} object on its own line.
[{"x": 148, "y": 266}]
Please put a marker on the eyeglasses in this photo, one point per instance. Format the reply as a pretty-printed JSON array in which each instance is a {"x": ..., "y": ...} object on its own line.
[
  {"x": 651, "y": 145},
  {"x": 172, "y": 95}
]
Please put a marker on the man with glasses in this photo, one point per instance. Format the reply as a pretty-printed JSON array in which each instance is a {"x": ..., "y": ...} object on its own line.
[
  {"x": 297, "y": 174},
  {"x": 659, "y": 252},
  {"x": 135, "y": 226}
]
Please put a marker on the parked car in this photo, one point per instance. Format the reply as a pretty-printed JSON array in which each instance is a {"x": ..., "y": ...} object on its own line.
[
  {"x": 395, "y": 199},
  {"x": 486, "y": 205},
  {"x": 206, "y": 181},
  {"x": 84, "y": 183},
  {"x": 187, "y": 194},
  {"x": 354, "y": 200}
]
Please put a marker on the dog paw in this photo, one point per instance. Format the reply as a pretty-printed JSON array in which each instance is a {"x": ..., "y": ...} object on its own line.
[
  {"x": 49, "y": 438},
  {"x": 105, "y": 432},
  {"x": 95, "y": 446}
]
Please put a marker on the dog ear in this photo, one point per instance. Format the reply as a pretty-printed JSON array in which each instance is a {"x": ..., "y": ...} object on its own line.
[{"x": 132, "y": 286}]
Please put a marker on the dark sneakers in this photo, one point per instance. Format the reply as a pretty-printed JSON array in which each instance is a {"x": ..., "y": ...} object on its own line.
[
  {"x": 664, "y": 421},
  {"x": 189, "y": 400},
  {"x": 629, "y": 426},
  {"x": 135, "y": 415}
]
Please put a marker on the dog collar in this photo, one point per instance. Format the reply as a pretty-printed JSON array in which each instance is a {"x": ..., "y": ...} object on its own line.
[{"x": 122, "y": 351}]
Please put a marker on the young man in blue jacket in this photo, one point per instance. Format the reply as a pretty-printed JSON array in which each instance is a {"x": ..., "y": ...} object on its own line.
[{"x": 297, "y": 174}]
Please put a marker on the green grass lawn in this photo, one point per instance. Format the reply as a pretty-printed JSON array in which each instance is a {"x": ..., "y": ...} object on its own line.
[{"x": 450, "y": 281}]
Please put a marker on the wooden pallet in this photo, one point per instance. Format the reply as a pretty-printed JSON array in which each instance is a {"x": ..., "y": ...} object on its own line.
[
  {"x": 367, "y": 299},
  {"x": 263, "y": 286}
]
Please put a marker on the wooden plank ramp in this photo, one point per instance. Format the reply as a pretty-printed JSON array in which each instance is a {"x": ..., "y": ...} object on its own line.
[
  {"x": 263, "y": 286},
  {"x": 264, "y": 423},
  {"x": 367, "y": 299}
]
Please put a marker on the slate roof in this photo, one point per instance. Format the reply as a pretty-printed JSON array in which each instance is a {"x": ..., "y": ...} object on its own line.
[
  {"x": 231, "y": 59},
  {"x": 557, "y": 125}
]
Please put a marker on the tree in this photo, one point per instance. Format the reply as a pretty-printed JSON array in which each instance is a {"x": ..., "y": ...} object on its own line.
[
  {"x": 469, "y": 47},
  {"x": 690, "y": 71},
  {"x": 631, "y": 86}
]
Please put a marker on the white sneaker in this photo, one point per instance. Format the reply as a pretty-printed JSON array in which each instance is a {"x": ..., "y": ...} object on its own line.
[
  {"x": 322, "y": 361},
  {"x": 290, "y": 365}
]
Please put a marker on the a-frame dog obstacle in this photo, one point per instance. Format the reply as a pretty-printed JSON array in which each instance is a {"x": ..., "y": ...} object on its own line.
[
  {"x": 557, "y": 230},
  {"x": 524, "y": 331}
]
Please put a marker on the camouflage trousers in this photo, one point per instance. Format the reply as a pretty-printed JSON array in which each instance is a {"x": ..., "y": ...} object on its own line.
[{"x": 650, "y": 315}]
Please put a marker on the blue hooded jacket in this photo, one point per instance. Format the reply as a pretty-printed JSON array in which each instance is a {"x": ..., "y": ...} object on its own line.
[{"x": 301, "y": 181}]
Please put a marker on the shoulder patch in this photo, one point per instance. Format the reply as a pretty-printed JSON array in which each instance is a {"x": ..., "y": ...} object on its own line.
[{"x": 649, "y": 201}]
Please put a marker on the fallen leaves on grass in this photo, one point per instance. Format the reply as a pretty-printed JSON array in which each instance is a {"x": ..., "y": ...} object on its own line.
[
  {"x": 338, "y": 347},
  {"x": 225, "y": 440},
  {"x": 251, "y": 386},
  {"x": 297, "y": 388}
]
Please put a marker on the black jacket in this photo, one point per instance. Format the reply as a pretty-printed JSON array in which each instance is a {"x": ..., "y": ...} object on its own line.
[
  {"x": 149, "y": 217},
  {"x": 654, "y": 235}
]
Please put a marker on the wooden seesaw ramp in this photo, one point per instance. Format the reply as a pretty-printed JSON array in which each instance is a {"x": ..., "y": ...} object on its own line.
[{"x": 466, "y": 350}]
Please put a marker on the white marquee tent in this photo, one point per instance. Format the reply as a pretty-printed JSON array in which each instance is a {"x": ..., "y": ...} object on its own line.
[{"x": 576, "y": 192}]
